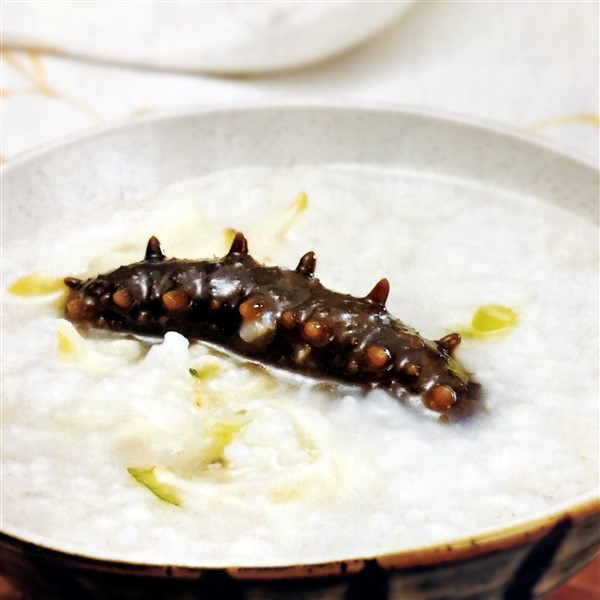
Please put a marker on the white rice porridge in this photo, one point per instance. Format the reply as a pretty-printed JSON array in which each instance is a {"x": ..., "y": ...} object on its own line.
[{"x": 257, "y": 467}]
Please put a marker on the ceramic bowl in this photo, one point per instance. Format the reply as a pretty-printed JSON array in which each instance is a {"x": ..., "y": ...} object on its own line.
[{"x": 523, "y": 560}]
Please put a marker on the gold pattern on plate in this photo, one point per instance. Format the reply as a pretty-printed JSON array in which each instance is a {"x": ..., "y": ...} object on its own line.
[
  {"x": 142, "y": 111},
  {"x": 588, "y": 118},
  {"x": 31, "y": 68}
]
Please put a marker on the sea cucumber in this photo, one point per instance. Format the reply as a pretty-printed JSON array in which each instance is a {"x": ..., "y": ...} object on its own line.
[{"x": 281, "y": 317}]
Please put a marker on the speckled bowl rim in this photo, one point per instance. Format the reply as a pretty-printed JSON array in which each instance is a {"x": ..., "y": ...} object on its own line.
[
  {"x": 489, "y": 125},
  {"x": 495, "y": 539}
]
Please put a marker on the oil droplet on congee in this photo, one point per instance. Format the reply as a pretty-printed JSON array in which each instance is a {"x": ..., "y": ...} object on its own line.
[
  {"x": 35, "y": 284},
  {"x": 491, "y": 319}
]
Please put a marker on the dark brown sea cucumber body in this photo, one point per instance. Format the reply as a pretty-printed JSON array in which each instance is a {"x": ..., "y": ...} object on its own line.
[{"x": 281, "y": 317}]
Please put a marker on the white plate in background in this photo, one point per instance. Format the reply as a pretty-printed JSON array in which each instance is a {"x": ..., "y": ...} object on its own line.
[{"x": 216, "y": 37}]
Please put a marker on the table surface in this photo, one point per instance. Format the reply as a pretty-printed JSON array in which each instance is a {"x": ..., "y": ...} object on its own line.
[{"x": 532, "y": 66}]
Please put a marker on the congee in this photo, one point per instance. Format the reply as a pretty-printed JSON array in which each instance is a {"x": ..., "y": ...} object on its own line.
[{"x": 175, "y": 451}]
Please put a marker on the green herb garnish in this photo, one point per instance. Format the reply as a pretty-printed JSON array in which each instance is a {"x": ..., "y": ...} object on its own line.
[
  {"x": 147, "y": 477},
  {"x": 206, "y": 371}
]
